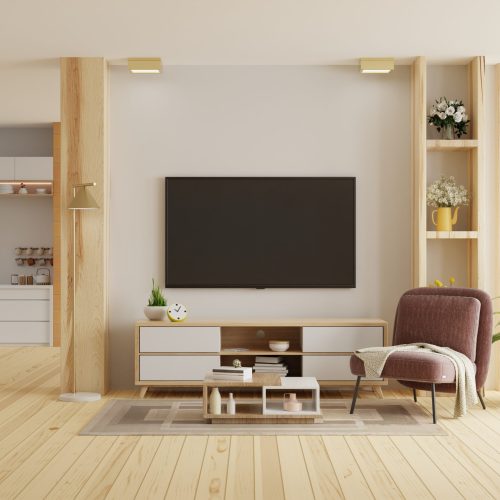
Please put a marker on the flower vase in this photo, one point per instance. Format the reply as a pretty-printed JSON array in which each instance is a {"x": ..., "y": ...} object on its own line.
[
  {"x": 448, "y": 132},
  {"x": 445, "y": 221}
]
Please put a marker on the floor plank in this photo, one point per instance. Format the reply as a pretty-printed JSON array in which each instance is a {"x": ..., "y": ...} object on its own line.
[
  {"x": 187, "y": 471},
  {"x": 268, "y": 480},
  {"x": 349, "y": 474},
  {"x": 378, "y": 478},
  {"x": 212, "y": 481},
  {"x": 296, "y": 483},
  {"x": 161, "y": 470},
  {"x": 240, "y": 471},
  {"x": 322, "y": 476}
]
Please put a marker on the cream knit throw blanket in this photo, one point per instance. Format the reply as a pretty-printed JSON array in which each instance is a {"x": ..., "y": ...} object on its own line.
[{"x": 374, "y": 359}]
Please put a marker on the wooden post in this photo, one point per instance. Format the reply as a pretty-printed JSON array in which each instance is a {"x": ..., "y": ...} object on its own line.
[
  {"x": 56, "y": 231},
  {"x": 84, "y": 159},
  {"x": 419, "y": 171},
  {"x": 496, "y": 219}
]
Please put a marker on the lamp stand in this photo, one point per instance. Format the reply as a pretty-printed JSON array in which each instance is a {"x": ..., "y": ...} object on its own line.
[{"x": 76, "y": 397}]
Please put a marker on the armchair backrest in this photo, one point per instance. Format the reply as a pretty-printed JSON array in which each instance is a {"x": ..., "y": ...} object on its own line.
[{"x": 459, "y": 318}]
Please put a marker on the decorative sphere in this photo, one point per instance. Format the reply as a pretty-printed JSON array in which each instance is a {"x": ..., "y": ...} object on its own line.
[{"x": 237, "y": 363}]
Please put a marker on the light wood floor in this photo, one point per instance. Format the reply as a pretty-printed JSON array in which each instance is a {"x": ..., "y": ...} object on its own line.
[{"x": 42, "y": 456}]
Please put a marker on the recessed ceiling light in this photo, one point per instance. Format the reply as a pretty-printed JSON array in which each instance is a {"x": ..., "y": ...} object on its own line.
[
  {"x": 376, "y": 65},
  {"x": 144, "y": 64}
]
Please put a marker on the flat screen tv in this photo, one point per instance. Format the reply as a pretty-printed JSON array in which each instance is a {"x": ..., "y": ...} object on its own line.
[{"x": 260, "y": 232}]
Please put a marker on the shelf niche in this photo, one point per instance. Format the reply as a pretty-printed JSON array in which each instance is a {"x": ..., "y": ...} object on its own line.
[{"x": 463, "y": 158}]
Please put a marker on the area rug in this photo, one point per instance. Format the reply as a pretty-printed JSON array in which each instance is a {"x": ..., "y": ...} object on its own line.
[{"x": 131, "y": 417}]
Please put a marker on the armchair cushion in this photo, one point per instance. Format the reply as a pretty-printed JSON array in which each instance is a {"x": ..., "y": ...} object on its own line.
[
  {"x": 417, "y": 366},
  {"x": 449, "y": 321}
]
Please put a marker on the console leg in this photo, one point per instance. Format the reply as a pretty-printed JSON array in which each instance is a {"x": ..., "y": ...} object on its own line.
[
  {"x": 415, "y": 395},
  {"x": 143, "y": 391},
  {"x": 378, "y": 391},
  {"x": 355, "y": 395}
]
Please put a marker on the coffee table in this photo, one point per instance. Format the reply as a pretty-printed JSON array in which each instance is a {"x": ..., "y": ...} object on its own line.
[{"x": 266, "y": 410}]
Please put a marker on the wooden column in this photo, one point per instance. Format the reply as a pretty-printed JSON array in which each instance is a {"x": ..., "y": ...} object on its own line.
[
  {"x": 56, "y": 231},
  {"x": 84, "y": 159},
  {"x": 496, "y": 221},
  {"x": 419, "y": 171}
]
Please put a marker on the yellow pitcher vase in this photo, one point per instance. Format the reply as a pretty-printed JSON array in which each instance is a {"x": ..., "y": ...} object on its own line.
[{"x": 444, "y": 221}]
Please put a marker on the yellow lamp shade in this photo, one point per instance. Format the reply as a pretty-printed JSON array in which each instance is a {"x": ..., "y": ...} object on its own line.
[{"x": 83, "y": 200}]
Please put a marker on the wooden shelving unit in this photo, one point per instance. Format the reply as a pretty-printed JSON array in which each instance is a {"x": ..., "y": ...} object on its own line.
[{"x": 473, "y": 148}]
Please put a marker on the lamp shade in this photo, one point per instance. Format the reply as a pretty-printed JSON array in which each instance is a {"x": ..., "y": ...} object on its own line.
[{"x": 83, "y": 200}]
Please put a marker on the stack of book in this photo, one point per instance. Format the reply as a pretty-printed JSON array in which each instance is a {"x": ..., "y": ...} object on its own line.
[
  {"x": 242, "y": 374},
  {"x": 270, "y": 364}
]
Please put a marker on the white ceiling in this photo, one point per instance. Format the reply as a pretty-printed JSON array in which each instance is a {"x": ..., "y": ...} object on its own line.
[{"x": 206, "y": 32}]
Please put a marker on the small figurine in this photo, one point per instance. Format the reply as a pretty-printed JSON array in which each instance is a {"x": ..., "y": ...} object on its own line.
[{"x": 237, "y": 363}]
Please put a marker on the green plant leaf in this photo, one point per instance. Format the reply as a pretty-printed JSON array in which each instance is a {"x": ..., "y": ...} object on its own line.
[{"x": 496, "y": 337}]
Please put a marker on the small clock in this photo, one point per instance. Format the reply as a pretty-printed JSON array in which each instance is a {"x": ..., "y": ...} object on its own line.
[{"x": 177, "y": 312}]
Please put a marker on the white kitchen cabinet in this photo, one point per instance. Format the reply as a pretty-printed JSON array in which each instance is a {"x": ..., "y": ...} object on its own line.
[
  {"x": 33, "y": 168},
  {"x": 7, "y": 168},
  {"x": 26, "y": 314}
]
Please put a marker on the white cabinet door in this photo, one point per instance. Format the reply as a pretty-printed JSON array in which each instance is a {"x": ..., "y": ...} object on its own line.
[
  {"x": 33, "y": 168},
  {"x": 328, "y": 368},
  {"x": 179, "y": 339},
  {"x": 176, "y": 367},
  {"x": 341, "y": 338},
  {"x": 24, "y": 310},
  {"x": 7, "y": 169},
  {"x": 24, "y": 332}
]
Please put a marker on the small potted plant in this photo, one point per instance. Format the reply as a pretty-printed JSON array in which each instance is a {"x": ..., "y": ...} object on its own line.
[
  {"x": 450, "y": 117},
  {"x": 156, "y": 309},
  {"x": 444, "y": 194}
]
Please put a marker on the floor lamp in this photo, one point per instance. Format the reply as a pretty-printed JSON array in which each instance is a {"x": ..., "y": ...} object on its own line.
[{"x": 82, "y": 200}]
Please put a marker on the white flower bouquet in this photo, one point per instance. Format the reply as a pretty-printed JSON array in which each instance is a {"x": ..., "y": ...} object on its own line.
[
  {"x": 445, "y": 192},
  {"x": 445, "y": 114}
]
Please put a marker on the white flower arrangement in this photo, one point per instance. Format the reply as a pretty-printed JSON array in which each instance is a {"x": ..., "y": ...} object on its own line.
[
  {"x": 449, "y": 113},
  {"x": 445, "y": 192}
]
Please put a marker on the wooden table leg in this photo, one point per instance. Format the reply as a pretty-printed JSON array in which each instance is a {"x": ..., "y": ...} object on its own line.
[
  {"x": 378, "y": 391},
  {"x": 143, "y": 391}
]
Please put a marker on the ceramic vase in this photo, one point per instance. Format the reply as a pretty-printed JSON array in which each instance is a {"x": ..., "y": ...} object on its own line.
[
  {"x": 231, "y": 405},
  {"x": 448, "y": 132},
  {"x": 215, "y": 402}
]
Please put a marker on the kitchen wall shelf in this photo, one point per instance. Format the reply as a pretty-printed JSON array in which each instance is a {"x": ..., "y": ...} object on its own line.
[{"x": 29, "y": 195}]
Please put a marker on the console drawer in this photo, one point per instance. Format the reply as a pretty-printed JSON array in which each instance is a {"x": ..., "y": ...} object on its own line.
[
  {"x": 341, "y": 338},
  {"x": 24, "y": 310},
  {"x": 176, "y": 367},
  {"x": 179, "y": 339},
  {"x": 328, "y": 368}
]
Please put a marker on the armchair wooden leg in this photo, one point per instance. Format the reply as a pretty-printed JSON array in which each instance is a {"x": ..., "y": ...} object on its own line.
[
  {"x": 355, "y": 395},
  {"x": 481, "y": 399},
  {"x": 433, "y": 390},
  {"x": 415, "y": 395}
]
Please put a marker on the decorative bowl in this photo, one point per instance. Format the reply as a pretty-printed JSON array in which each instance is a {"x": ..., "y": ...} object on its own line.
[
  {"x": 279, "y": 345},
  {"x": 155, "y": 313}
]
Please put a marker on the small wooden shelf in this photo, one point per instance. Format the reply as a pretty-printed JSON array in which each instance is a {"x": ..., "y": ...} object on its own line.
[
  {"x": 452, "y": 235},
  {"x": 453, "y": 145},
  {"x": 255, "y": 352},
  {"x": 26, "y": 195}
]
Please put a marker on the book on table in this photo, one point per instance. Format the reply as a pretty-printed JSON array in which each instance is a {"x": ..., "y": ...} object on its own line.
[
  {"x": 268, "y": 359},
  {"x": 230, "y": 373}
]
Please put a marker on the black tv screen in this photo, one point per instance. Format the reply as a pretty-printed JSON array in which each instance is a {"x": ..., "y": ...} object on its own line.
[{"x": 260, "y": 232}]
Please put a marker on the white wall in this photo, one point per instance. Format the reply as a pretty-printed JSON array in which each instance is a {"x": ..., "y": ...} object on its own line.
[
  {"x": 29, "y": 92},
  {"x": 256, "y": 121}
]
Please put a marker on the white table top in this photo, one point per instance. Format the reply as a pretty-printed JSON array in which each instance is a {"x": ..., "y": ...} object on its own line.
[{"x": 296, "y": 383}]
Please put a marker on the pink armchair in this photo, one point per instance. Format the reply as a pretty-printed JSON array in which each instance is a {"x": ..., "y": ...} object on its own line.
[{"x": 459, "y": 318}]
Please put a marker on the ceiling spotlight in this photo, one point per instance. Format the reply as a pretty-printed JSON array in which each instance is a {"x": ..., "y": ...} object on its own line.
[
  {"x": 144, "y": 64},
  {"x": 376, "y": 65}
]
